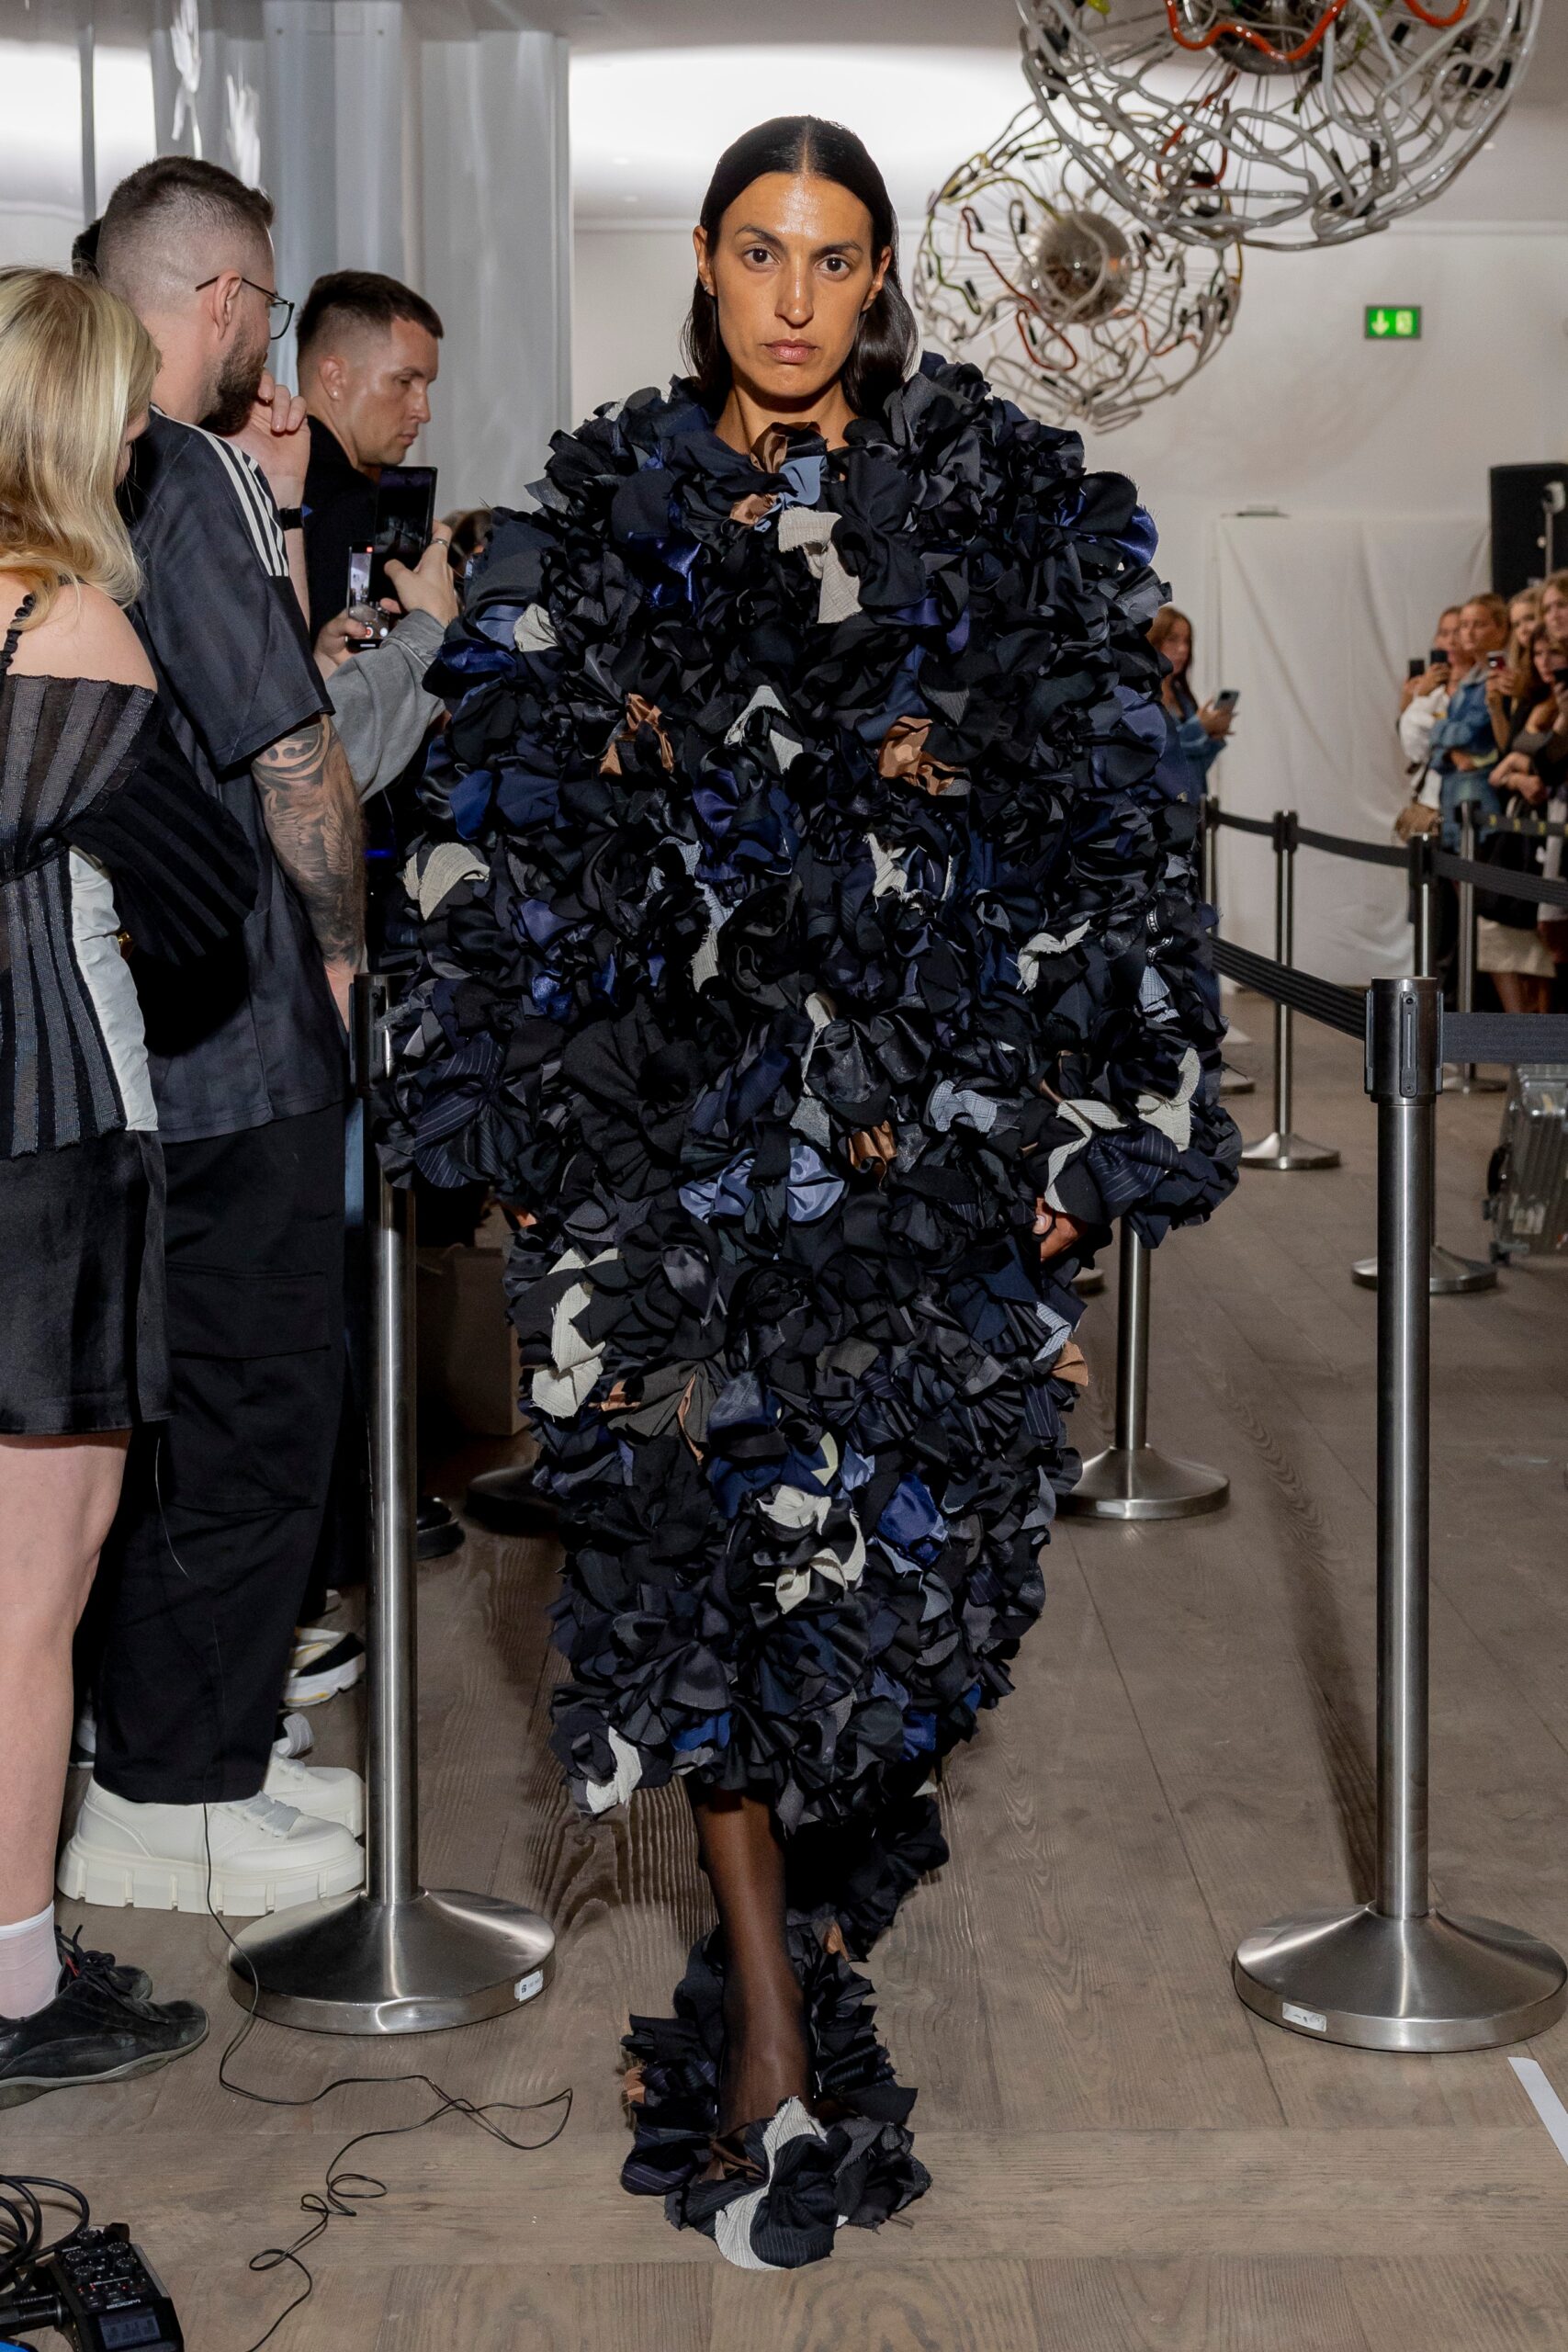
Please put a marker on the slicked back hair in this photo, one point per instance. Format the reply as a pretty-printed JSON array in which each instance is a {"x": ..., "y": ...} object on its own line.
[
  {"x": 345, "y": 299},
  {"x": 170, "y": 209}
]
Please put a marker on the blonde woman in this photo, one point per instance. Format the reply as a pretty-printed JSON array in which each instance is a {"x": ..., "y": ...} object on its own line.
[{"x": 106, "y": 844}]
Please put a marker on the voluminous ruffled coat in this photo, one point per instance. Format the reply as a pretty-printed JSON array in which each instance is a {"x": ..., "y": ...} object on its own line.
[{"x": 792, "y": 797}]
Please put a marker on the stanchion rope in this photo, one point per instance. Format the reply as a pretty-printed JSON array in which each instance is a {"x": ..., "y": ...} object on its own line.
[
  {"x": 1534, "y": 886},
  {"x": 1319, "y": 1000},
  {"x": 1369, "y": 852},
  {"x": 1535, "y": 829},
  {"x": 1263, "y": 828}
]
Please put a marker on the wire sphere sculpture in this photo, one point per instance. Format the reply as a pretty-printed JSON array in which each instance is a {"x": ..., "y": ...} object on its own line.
[
  {"x": 1282, "y": 123},
  {"x": 1069, "y": 305}
]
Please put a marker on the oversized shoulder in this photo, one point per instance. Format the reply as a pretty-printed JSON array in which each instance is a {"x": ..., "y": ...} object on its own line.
[
  {"x": 182, "y": 474},
  {"x": 84, "y": 635}
]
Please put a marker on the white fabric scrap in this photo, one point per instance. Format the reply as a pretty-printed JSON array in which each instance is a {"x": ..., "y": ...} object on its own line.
[
  {"x": 787, "y": 746},
  {"x": 446, "y": 865},
  {"x": 1174, "y": 1118},
  {"x": 811, "y": 531},
  {"x": 563, "y": 1386},
  {"x": 602, "y": 1794},
  {"x": 534, "y": 631},
  {"x": 891, "y": 881},
  {"x": 1044, "y": 943}
]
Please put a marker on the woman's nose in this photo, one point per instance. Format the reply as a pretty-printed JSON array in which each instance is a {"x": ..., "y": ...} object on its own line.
[{"x": 794, "y": 297}]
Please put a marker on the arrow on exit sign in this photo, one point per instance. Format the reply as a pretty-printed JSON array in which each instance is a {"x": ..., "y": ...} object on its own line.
[{"x": 1393, "y": 322}]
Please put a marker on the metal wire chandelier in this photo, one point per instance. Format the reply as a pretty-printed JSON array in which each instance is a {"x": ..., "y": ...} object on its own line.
[
  {"x": 1070, "y": 305},
  {"x": 1275, "y": 122}
]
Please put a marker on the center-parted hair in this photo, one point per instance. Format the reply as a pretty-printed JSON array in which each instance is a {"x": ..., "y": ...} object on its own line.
[
  {"x": 347, "y": 299},
  {"x": 886, "y": 344}
]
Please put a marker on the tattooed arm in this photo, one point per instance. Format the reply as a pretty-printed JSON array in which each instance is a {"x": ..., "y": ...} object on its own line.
[{"x": 311, "y": 809}]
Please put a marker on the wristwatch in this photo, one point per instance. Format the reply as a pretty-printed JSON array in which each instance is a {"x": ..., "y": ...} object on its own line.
[{"x": 292, "y": 518}]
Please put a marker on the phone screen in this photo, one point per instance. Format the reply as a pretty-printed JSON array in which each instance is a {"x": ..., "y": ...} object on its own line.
[
  {"x": 405, "y": 514},
  {"x": 359, "y": 563}
]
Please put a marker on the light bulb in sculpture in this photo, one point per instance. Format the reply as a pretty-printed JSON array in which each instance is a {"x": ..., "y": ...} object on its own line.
[
  {"x": 1072, "y": 308},
  {"x": 1275, "y": 122}
]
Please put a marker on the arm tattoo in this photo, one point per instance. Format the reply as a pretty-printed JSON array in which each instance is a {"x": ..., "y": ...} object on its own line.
[{"x": 312, "y": 808}]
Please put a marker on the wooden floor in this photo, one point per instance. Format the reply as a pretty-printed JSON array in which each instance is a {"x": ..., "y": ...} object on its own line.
[{"x": 1122, "y": 2156}]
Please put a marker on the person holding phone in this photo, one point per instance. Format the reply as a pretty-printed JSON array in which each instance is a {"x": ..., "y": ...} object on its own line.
[
  {"x": 1197, "y": 730},
  {"x": 369, "y": 356}
]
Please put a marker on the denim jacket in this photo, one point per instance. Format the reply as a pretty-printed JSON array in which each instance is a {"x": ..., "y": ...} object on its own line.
[{"x": 1466, "y": 727}]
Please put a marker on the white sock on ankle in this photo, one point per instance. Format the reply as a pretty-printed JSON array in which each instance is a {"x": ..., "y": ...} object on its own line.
[{"x": 29, "y": 1965}]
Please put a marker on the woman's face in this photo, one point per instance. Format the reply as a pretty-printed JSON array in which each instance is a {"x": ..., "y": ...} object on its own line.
[
  {"x": 793, "y": 267},
  {"x": 1479, "y": 633},
  {"x": 134, "y": 429},
  {"x": 1447, "y": 633},
  {"x": 1178, "y": 647},
  {"x": 1546, "y": 654},
  {"x": 1523, "y": 614},
  {"x": 1554, "y": 615}
]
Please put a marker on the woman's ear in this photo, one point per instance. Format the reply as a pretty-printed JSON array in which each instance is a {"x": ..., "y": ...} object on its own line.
[
  {"x": 883, "y": 264},
  {"x": 705, "y": 262}
]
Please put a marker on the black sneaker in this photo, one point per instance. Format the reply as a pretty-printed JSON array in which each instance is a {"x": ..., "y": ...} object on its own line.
[
  {"x": 73, "y": 1960},
  {"x": 92, "y": 2031}
]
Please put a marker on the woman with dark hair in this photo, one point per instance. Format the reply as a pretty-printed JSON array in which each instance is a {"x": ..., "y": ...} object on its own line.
[
  {"x": 1197, "y": 730},
  {"x": 815, "y": 969}
]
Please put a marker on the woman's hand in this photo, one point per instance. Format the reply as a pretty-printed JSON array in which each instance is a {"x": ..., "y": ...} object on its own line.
[
  {"x": 1056, "y": 1230},
  {"x": 873, "y": 1148},
  {"x": 1214, "y": 721}
]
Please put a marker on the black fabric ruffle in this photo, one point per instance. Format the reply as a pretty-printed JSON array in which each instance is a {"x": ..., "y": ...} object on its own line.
[{"x": 713, "y": 883}]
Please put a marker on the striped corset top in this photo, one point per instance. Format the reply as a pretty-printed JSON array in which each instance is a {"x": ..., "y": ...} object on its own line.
[{"x": 87, "y": 769}]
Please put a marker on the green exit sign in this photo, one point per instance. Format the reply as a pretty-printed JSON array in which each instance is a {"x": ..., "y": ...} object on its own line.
[{"x": 1393, "y": 322}]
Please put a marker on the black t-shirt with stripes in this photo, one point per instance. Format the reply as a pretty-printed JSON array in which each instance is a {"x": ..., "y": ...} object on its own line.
[{"x": 254, "y": 1036}]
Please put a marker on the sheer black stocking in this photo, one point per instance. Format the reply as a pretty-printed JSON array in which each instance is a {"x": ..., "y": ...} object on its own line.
[{"x": 766, "y": 2054}]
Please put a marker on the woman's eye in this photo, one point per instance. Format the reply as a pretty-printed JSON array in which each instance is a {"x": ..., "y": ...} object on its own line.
[
  {"x": 837, "y": 265},
  {"x": 758, "y": 254}
]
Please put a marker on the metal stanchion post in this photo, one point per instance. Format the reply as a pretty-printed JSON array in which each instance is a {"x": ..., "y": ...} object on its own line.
[
  {"x": 1130, "y": 1479},
  {"x": 396, "y": 1958},
  {"x": 1392, "y": 1973},
  {"x": 1448, "y": 1274},
  {"x": 1232, "y": 1080},
  {"x": 1467, "y": 1077},
  {"x": 1282, "y": 1149}
]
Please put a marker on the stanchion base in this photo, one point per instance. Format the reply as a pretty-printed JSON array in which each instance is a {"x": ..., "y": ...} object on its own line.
[
  {"x": 1136, "y": 1482},
  {"x": 1286, "y": 1153},
  {"x": 1449, "y": 1276},
  {"x": 1235, "y": 1081},
  {"x": 1088, "y": 1281},
  {"x": 359, "y": 1966},
  {"x": 1415, "y": 1984}
]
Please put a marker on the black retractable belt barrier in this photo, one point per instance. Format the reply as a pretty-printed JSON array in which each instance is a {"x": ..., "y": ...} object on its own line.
[
  {"x": 1282, "y": 1148},
  {"x": 1534, "y": 886},
  {"x": 1392, "y": 1973}
]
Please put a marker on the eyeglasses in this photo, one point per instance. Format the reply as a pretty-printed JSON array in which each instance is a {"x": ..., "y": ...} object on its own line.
[{"x": 275, "y": 302}]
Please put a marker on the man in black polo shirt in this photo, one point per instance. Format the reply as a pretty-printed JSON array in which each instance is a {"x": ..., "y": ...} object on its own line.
[
  {"x": 370, "y": 351},
  {"x": 222, "y": 1509}
]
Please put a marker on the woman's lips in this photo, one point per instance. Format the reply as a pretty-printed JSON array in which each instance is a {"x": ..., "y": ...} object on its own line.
[{"x": 792, "y": 354}]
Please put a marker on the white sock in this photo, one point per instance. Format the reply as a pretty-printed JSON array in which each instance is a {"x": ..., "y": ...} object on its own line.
[{"x": 29, "y": 1965}]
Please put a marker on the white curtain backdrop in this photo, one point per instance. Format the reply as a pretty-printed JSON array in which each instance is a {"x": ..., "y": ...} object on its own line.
[{"x": 1313, "y": 620}]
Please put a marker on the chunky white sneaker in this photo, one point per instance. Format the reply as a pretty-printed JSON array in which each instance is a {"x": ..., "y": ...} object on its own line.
[
  {"x": 325, "y": 1791},
  {"x": 324, "y": 1662},
  {"x": 245, "y": 1858}
]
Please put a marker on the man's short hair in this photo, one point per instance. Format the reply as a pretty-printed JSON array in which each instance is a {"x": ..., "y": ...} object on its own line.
[
  {"x": 358, "y": 297},
  {"x": 159, "y": 212}
]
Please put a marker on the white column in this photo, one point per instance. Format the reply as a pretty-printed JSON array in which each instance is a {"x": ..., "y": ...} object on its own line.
[{"x": 496, "y": 230}]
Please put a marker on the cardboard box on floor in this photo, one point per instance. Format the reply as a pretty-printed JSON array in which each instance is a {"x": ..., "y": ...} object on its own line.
[{"x": 468, "y": 1349}]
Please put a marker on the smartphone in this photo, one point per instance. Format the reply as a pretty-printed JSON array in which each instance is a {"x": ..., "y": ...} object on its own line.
[
  {"x": 405, "y": 516},
  {"x": 1496, "y": 663},
  {"x": 359, "y": 603},
  {"x": 1228, "y": 699},
  {"x": 1438, "y": 659},
  {"x": 1416, "y": 667}
]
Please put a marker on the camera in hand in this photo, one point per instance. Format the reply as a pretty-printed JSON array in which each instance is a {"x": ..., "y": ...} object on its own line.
[
  {"x": 1416, "y": 666},
  {"x": 99, "y": 2292},
  {"x": 1227, "y": 698}
]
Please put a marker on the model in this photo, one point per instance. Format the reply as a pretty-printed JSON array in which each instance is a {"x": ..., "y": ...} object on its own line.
[{"x": 817, "y": 969}]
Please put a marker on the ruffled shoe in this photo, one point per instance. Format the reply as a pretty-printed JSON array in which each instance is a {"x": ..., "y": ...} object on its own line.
[{"x": 791, "y": 2180}]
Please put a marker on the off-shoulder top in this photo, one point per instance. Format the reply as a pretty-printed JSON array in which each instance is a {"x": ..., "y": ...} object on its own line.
[{"x": 89, "y": 771}]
